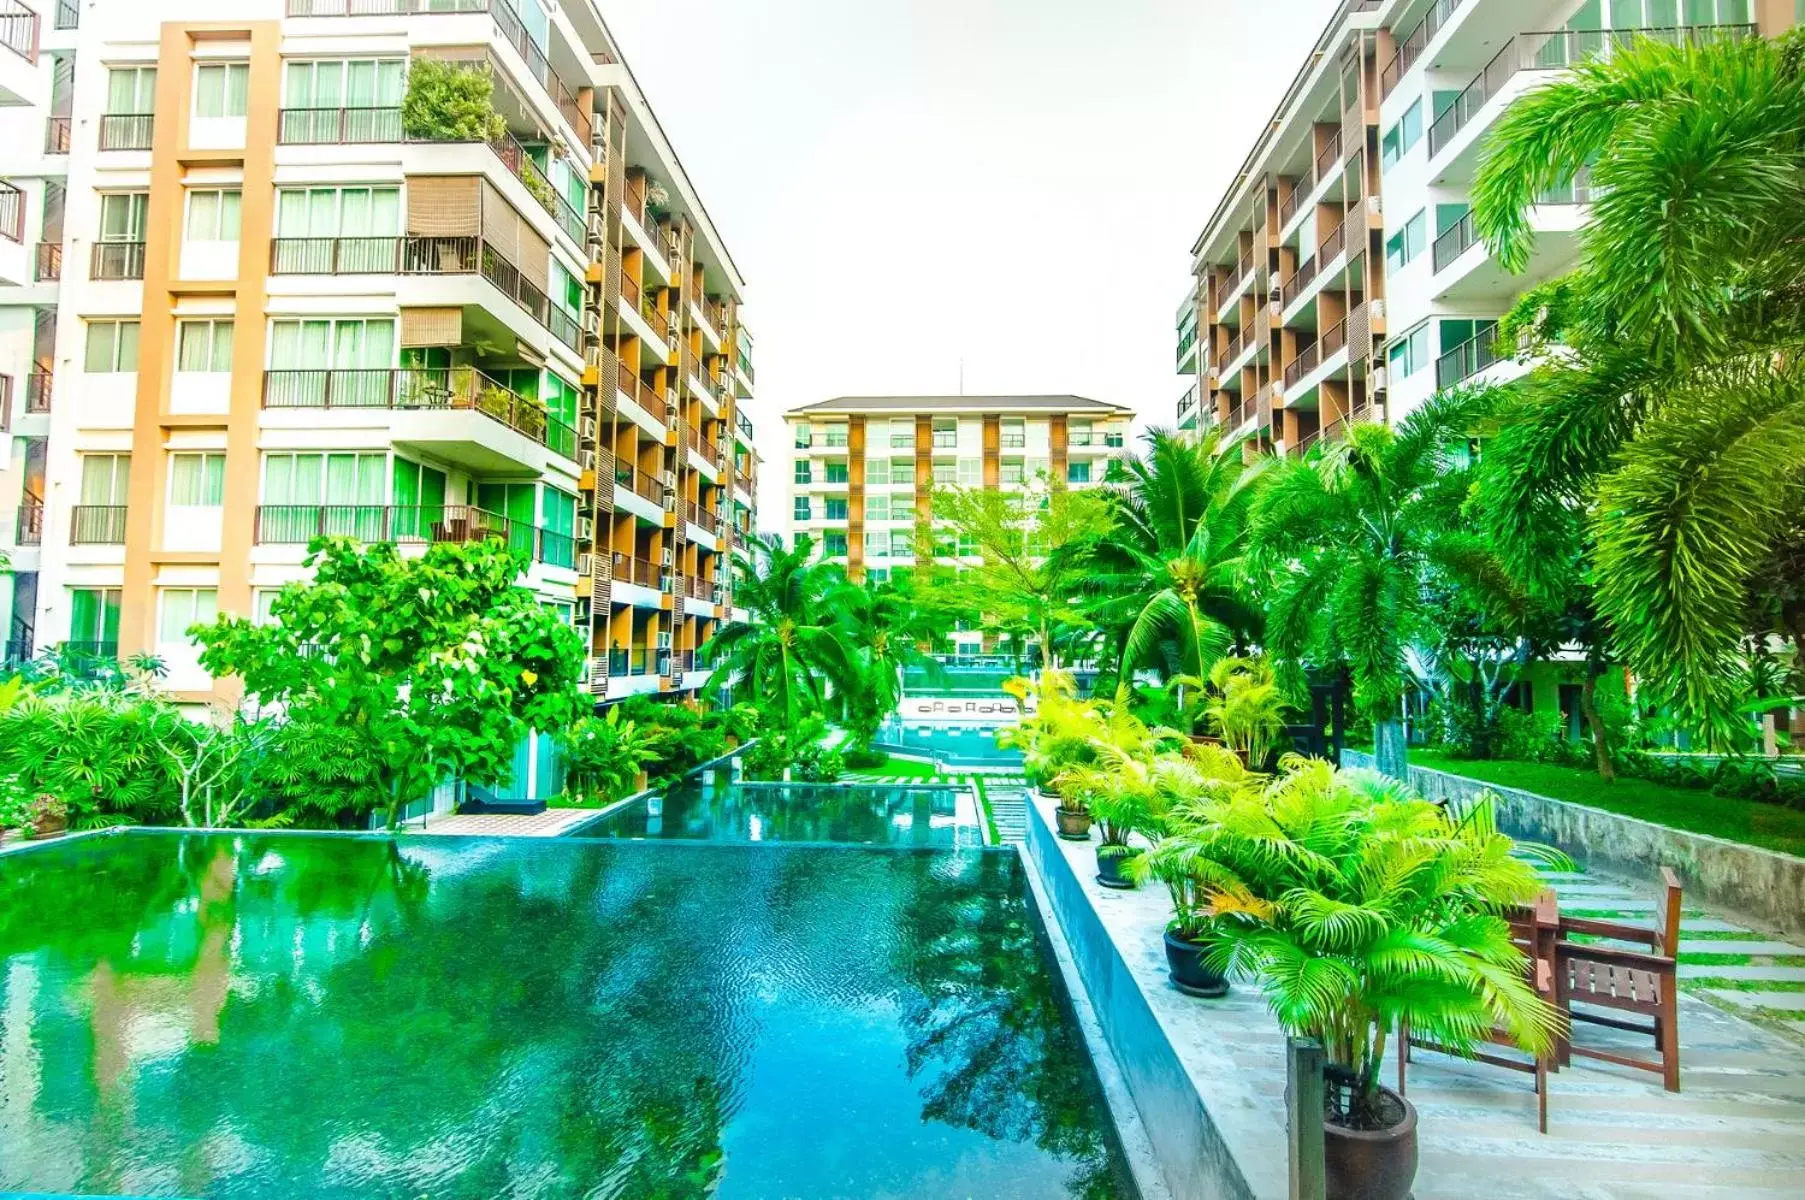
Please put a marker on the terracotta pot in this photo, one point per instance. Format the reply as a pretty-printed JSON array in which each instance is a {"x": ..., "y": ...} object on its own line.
[
  {"x": 1109, "y": 869},
  {"x": 1372, "y": 1164},
  {"x": 1046, "y": 793},
  {"x": 1184, "y": 966},
  {"x": 1074, "y": 824}
]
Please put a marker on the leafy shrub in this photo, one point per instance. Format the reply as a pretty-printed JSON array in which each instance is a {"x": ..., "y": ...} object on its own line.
[
  {"x": 1539, "y": 737},
  {"x": 447, "y": 102},
  {"x": 815, "y": 763},
  {"x": 865, "y": 758}
]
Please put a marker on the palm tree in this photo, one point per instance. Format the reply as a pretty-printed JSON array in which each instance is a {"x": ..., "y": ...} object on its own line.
[
  {"x": 879, "y": 623},
  {"x": 1352, "y": 535},
  {"x": 792, "y": 648},
  {"x": 1174, "y": 575},
  {"x": 1674, "y": 415}
]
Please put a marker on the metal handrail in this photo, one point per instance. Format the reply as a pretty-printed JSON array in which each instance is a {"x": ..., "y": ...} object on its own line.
[
  {"x": 97, "y": 525},
  {"x": 407, "y": 388},
  {"x": 126, "y": 131}
]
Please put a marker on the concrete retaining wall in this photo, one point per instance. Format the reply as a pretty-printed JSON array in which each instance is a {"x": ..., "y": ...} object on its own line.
[
  {"x": 1206, "y": 1077},
  {"x": 1763, "y": 887}
]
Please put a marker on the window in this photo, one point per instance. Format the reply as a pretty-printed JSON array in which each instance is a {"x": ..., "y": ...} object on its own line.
[
  {"x": 877, "y": 544},
  {"x": 323, "y": 212},
  {"x": 967, "y": 546},
  {"x": 902, "y": 543},
  {"x": 1402, "y": 136},
  {"x": 344, "y": 83},
  {"x": 560, "y": 397},
  {"x": 1078, "y": 472},
  {"x": 836, "y": 436},
  {"x": 263, "y": 605},
  {"x": 902, "y": 435},
  {"x": 112, "y": 347},
  {"x": 804, "y": 472},
  {"x": 558, "y": 520},
  {"x": 971, "y": 472},
  {"x": 836, "y": 510},
  {"x": 902, "y": 507},
  {"x": 94, "y": 618},
  {"x": 314, "y": 478},
  {"x": 1014, "y": 433},
  {"x": 180, "y": 609},
  {"x": 835, "y": 544},
  {"x": 122, "y": 216},
  {"x": 1407, "y": 243},
  {"x": 804, "y": 510},
  {"x": 213, "y": 215},
  {"x": 197, "y": 480},
  {"x": 836, "y": 472},
  {"x": 566, "y": 291},
  {"x": 877, "y": 471},
  {"x": 132, "y": 90},
  {"x": 204, "y": 346},
  {"x": 1011, "y": 474},
  {"x": 220, "y": 90},
  {"x": 1037, "y": 467},
  {"x": 946, "y": 472},
  {"x": 105, "y": 479},
  {"x": 946, "y": 433},
  {"x": 347, "y": 343},
  {"x": 877, "y": 508},
  {"x": 1408, "y": 352},
  {"x": 804, "y": 437},
  {"x": 902, "y": 471}
]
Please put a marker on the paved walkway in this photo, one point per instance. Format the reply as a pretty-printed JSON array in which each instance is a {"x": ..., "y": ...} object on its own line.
[
  {"x": 553, "y": 822},
  {"x": 1733, "y": 967}
]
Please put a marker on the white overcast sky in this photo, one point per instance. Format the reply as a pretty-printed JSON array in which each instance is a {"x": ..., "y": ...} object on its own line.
[{"x": 909, "y": 183}]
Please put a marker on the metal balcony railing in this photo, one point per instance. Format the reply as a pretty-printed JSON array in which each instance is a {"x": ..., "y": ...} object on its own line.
[
  {"x": 640, "y": 571},
  {"x": 97, "y": 525},
  {"x": 48, "y": 267},
  {"x": 12, "y": 213},
  {"x": 407, "y": 388},
  {"x": 118, "y": 260},
  {"x": 126, "y": 131},
  {"x": 1300, "y": 279},
  {"x": 639, "y": 483},
  {"x": 19, "y": 30},
  {"x": 1467, "y": 359},
  {"x": 1410, "y": 46},
  {"x": 29, "y": 528},
  {"x": 38, "y": 391},
  {"x": 1454, "y": 241},
  {"x": 338, "y": 126},
  {"x": 299, "y": 524}
]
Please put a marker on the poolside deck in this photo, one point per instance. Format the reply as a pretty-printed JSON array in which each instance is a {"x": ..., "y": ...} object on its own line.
[
  {"x": 1736, "y": 1129},
  {"x": 553, "y": 822}
]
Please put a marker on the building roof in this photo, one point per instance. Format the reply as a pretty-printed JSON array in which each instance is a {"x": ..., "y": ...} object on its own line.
[{"x": 945, "y": 404}]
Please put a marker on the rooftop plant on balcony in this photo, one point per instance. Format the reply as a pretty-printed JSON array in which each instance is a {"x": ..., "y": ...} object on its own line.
[{"x": 450, "y": 102}]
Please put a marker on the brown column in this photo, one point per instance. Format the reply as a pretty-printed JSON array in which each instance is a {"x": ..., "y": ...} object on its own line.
[
  {"x": 993, "y": 445},
  {"x": 171, "y": 155},
  {"x": 855, "y": 498},
  {"x": 1056, "y": 434},
  {"x": 924, "y": 485}
]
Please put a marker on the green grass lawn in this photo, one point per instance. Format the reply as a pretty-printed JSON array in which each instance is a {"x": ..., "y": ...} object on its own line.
[
  {"x": 897, "y": 768},
  {"x": 1769, "y": 826}
]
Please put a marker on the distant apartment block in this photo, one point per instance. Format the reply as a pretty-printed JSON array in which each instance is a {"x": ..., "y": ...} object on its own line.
[
  {"x": 864, "y": 467},
  {"x": 243, "y": 304},
  {"x": 1340, "y": 279}
]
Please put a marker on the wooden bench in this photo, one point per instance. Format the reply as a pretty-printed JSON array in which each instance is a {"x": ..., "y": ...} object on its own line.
[
  {"x": 1636, "y": 990},
  {"x": 1533, "y": 930}
]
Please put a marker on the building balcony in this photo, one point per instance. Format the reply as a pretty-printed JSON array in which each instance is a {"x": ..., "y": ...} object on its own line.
[
  {"x": 410, "y": 525},
  {"x": 1465, "y": 273},
  {"x": 19, "y": 32},
  {"x": 28, "y": 527},
  {"x": 58, "y": 132},
  {"x": 38, "y": 391},
  {"x": 97, "y": 525},
  {"x": 639, "y": 493},
  {"x": 1412, "y": 44},
  {"x": 48, "y": 265},
  {"x": 461, "y": 401}
]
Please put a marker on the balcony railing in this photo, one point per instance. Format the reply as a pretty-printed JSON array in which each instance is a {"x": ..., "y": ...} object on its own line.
[
  {"x": 57, "y": 134},
  {"x": 97, "y": 525},
  {"x": 1300, "y": 279},
  {"x": 514, "y": 156},
  {"x": 1454, "y": 241},
  {"x": 1467, "y": 359},
  {"x": 623, "y": 663},
  {"x": 1332, "y": 245},
  {"x": 49, "y": 265},
  {"x": 29, "y": 529},
  {"x": 6, "y": 403},
  {"x": 126, "y": 131},
  {"x": 420, "y": 524},
  {"x": 37, "y": 392},
  {"x": 1410, "y": 46},
  {"x": 1333, "y": 339},
  {"x": 382, "y": 8},
  {"x": 1553, "y": 51},
  {"x": 507, "y": 24},
  {"x": 1013, "y": 441},
  {"x": 338, "y": 126},
  {"x": 1328, "y": 156},
  {"x": 335, "y": 256},
  {"x": 19, "y": 30},
  {"x": 409, "y": 388},
  {"x": 640, "y": 571},
  {"x": 1303, "y": 364},
  {"x": 648, "y": 309},
  {"x": 12, "y": 213},
  {"x": 639, "y": 483},
  {"x": 118, "y": 260}
]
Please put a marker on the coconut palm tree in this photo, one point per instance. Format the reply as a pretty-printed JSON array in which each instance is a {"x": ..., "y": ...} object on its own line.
[
  {"x": 792, "y": 650},
  {"x": 879, "y": 624},
  {"x": 1351, "y": 535},
  {"x": 1673, "y": 414},
  {"x": 1174, "y": 574}
]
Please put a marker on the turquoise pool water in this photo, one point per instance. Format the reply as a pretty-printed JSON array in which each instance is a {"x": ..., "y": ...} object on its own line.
[
  {"x": 954, "y": 745},
  {"x": 274, "y": 1015},
  {"x": 714, "y": 809}
]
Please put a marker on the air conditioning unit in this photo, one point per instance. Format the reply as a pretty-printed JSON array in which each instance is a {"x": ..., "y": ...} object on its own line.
[
  {"x": 1376, "y": 381},
  {"x": 588, "y": 425},
  {"x": 1378, "y": 308},
  {"x": 585, "y": 531},
  {"x": 668, "y": 478},
  {"x": 586, "y": 459},
  {"x": 670, "y": 502},
  {"x": 664, "y": 557},
  {"x": 579, "y": 614},
  {"x": 664, "y": 640},
  {"x": 583, "y": 561},
  {"x": 1375, "y": 203}
]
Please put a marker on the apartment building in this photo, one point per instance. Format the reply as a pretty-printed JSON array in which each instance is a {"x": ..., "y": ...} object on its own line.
[
  {"x": 1340, "y": 278},
  {"x": 865, "y": 467},
  {"x": 244, "y": 302}
]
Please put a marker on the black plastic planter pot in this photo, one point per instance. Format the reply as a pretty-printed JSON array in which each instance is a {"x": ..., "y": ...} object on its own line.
[
  {"x": 1074, "y": 824},
  {"x": 1109, "y": 868},
  {"x": 1372, "y": 1164},
  {"x": 1184, "y": 966}
]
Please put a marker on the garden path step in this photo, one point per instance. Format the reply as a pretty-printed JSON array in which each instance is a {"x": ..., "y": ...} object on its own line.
[
  {"x": 1746, "y": 971},
  {"x": 1714, "y": 946},
  {"x": 1785, "y": 1001}
]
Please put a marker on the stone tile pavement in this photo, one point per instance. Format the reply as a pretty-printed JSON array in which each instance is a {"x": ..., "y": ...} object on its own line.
[{"x": 553, "y": 822}]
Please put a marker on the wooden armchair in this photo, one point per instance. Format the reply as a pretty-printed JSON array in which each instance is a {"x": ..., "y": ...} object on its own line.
[
  {"x": 1634, "y": 990},
  {"x": 1533, "y": 930}
]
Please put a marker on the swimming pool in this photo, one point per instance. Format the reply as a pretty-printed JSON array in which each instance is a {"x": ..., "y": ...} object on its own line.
[
  {"x": 713, "y": 808},
  {"x": 286, "y": 1015},
  {"x": 956, "y": 745}
]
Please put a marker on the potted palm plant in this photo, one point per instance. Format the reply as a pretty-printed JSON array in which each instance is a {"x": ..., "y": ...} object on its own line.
[
  {"x": 1354, "y": 905},
  {"x": 1247, "y": 709}
]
